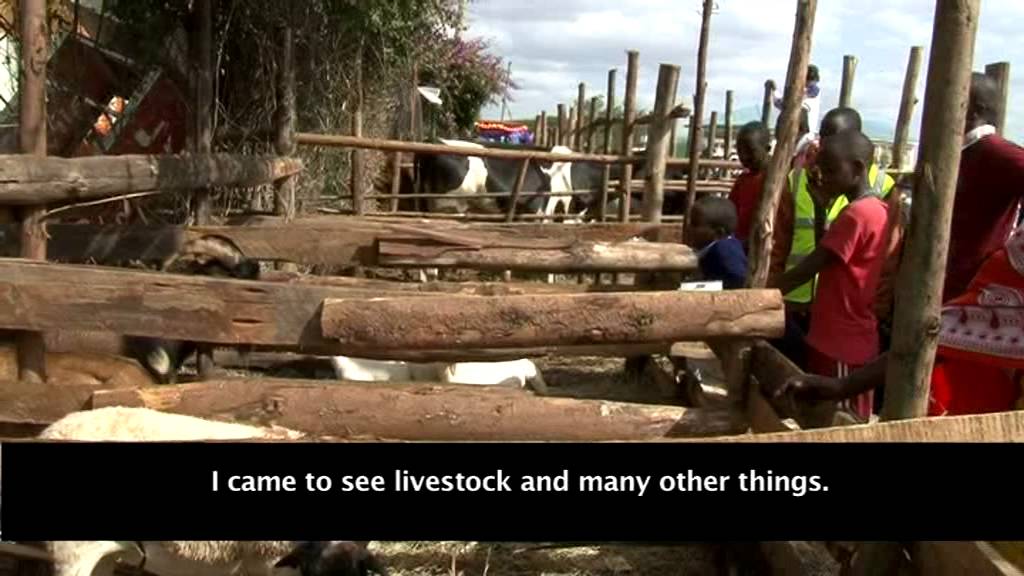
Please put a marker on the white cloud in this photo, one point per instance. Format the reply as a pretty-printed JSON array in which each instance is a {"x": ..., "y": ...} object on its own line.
[{"x": 555, "y": 44}]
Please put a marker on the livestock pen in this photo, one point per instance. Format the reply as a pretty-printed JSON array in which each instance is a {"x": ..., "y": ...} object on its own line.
[{"x": 68, "y": 280}]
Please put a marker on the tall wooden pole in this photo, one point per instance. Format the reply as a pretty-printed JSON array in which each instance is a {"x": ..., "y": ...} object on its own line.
[
  {"x": 628, "y": 125},
  {"x": 581, "y": 104},
  {"x": 658, "y": 134},
  {"x": 796, "y": 83},
  {"x": 907, "y": 103},
  {"x": 766, "y": 104},
  {"x": 356, "y": 171},
  {"x": 709, "y": 152},
  {"x": 32, "y": 135},
  {"x": 728, "y": 123},
  {"x": 1000, "y": 72},
  {"x": 849, "y": 75},
  {"x": 606, "y": 148},
  {"x": 203, "y": 130},
  {"x": 923, "y": 272},
  {"x": 284, "y": 144},
  {"x": 696, "y": 134}
]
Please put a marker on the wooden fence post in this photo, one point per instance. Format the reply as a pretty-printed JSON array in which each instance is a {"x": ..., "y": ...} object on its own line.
[
  {"x": 728, "y": 123},
  {"x": 542, "y": 130},
  {"x": 919, "y": 285},
  {"x": 203, "y": 118},
  {"x": 849, "y": 75},
  {"x": 356, "y": 155},
  {"x": 602, "y": 210},
  {"x": 284, "y": 199},
  {"x": 712, "y": 135},
  {"x": 1000, "y": 72},
  {"x": 766, "y": 104},
  {"x": 581, "y": 103},
  {"x": 628, "y": 125},
  {"x": 697, "y": 120},
  {"x": 560, "y": 127},
  {"x": 658, "y": 134},
  {"x": 907, "y": 103},
  {"x": 591, "y": 118},
  {"x": 796, "y": 83},
  {"x": 35, "y": 42}
]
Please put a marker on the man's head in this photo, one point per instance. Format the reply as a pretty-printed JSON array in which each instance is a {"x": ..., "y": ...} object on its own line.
[
  {"x": 983, "y": 107},
  {"x": 713, "y": 218},
  {"x": 840, "y": 120},
  {"x": 844, "y": 161},
  {"x": 753, "y": 144}
]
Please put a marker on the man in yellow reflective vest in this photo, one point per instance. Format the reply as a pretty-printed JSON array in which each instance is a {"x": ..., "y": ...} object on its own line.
[{"x": 801, "y": 222}]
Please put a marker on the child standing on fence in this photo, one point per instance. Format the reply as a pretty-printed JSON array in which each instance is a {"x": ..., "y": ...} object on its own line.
[
  {"x": 753, "y": 145},
  {"x": 848, "y": 261}
]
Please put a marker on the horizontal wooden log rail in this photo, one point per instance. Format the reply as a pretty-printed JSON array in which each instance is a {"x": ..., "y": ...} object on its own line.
[
  {"x": 33, "y": 181},
  {"x": 634, "y": 218},
  {"x": 536, "y": 255},
  {"x": 425, "y": 412},
  {"x": 333, "y": 241},
  {"x": 341, "y": 141},
  {"x": 548, "y": 320}
]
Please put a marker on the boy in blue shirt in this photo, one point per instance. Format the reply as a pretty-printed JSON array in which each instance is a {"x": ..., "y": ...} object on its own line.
[{"x": 719, "y": 252}]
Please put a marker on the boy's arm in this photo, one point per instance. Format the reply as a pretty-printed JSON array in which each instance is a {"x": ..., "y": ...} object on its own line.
[
  {"x": 808, "y": 268},
  {"x": 820, "y": 389}
]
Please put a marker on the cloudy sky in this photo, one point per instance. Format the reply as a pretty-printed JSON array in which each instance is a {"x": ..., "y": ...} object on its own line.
[{"x": 555, "y": 44}]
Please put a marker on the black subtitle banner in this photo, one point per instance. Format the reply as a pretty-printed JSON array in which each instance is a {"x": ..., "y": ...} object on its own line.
[{"x": 510, "y": 491}]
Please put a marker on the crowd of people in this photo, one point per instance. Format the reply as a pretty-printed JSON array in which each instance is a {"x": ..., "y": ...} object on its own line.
[{"x": 837, "y": 246}]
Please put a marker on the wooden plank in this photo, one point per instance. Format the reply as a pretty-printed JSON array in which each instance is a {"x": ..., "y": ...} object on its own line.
[
  {"x": 536, "y": 256},
  {"x": 606, "y": 148},
  {"x": 549, "y": 320},
  {"x": 985, "y": 428},
  {"x": 29, "y": 181},
  {"x": 728, "y": 122},
  {"x": 201, "y": 44},
  {"x": 697, "y": 121},
  {"x": 425, "y": 412},
  {"x": 957, "y": 558},
  {"x": 356, "y": 113},
  {"x": 284, "y": 122},
  {"x": 628, "y": 129},
  {"x": 922, "y": 273},
  {"x": 778, "y": 168}
]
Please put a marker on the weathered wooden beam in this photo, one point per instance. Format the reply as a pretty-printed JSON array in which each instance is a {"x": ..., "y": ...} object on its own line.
[
  {"x": 609, "y": 112},
  {"x": 201, "y": 44},
  {"x": 770, "y": 369},
  {"x": 923, "y": 271},
  {"x": 796, "y": 81},
  {"x": 766, "y": 103},
  {"x": 728, "y": 123},
  {"x": 581, "y": 102},
  {"x": 535, "y": 256},
  {"x": 697, "y": 121},
  {"x": 284, "y": 122},
  {"x": 849, "y": 74},
  {"x": 709, "y": 152},
  {"x": 907, "y": 103},
  {"x": 550, "y": 320},
  {"x": 426, "y": 412},
  {"x": 336, "y": 240},
  {"x": 29, "y": 181},
  {"x": 356, "y": 154}
]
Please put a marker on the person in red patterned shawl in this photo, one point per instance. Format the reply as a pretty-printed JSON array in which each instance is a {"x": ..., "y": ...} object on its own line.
[{"x": 980, "y": 359}]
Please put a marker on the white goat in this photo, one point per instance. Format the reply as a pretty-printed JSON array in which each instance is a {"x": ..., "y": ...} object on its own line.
[
  {"x": 521, "y": 373},
  {"x": 119, "y": 424}
]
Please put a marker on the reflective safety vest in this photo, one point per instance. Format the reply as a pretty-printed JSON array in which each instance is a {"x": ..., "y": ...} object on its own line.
[{"x": 804, "y": 240}]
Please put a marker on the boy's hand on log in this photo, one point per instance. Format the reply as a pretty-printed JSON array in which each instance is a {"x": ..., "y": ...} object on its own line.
[{"x": 808, "y": 388}]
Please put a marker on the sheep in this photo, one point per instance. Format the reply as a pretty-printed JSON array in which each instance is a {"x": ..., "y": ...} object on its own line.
[
  {"x": 120, "y": 424},
  {"x": 519, "y": 373},
  {"x": 216, "y": 558}
]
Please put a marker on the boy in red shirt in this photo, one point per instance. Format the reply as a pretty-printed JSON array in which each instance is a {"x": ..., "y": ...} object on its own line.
[
  {"x": 848, "y": 261},
  {"x": 753, "y": 145}
]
